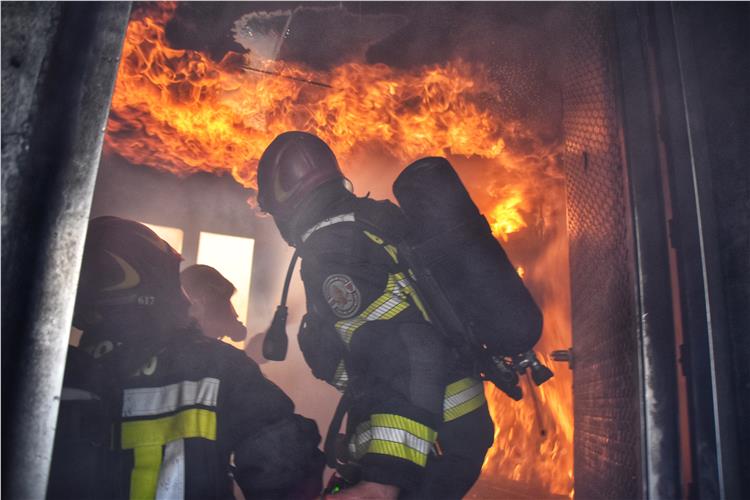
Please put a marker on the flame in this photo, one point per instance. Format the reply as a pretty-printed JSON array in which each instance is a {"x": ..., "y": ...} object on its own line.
[
  {"x": 506, "y": 216},
  {"x": 180, "y": 111},
  {"x": 543, "y": 456}
]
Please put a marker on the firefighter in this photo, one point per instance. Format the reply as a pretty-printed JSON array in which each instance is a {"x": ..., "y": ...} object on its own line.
[
  {"x": 210, "y": 296},
  {"x": 184, "y": 404},
  {"x": 418, "y": 426}
]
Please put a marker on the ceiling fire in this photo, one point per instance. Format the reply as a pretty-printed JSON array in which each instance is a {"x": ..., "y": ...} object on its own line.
[{"x": 184, "y": 111}]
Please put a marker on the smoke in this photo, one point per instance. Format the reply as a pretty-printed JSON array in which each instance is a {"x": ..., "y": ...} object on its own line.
[{"x": 320, "y": 37}]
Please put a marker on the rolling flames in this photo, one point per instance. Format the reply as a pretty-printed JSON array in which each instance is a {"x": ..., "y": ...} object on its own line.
[{"x": 180, "y": 111}]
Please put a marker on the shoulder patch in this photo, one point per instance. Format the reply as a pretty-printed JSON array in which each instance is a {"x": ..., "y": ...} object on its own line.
[{"x": 342, "y": 295}]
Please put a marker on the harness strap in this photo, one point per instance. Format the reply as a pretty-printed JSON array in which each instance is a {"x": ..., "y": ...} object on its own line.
[{"x": 329, "y": 447}]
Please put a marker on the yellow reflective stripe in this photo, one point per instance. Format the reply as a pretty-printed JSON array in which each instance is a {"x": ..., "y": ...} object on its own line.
[
  {"x": 346, "y": 328},
  {"x": 459, "y": 386},
  {"x": 419, "y": 304},
  {"x": 387, "y": 306},
  {"x": 394, "y": 310},
  {"x": 464, "y": 408},
  {"x": 397, "y": 450},
  {"x": 409, "y": 290},
  {"x": 462, "y": 397},
  {"x": 192, "y": 423},
  {"x": 393, "y": 435},
  {"x": 145, "y": 475},
  {"x": 403, "y": 423},
  {"x": 392, "y": 251},
  {"x": 376, "y": 239}
]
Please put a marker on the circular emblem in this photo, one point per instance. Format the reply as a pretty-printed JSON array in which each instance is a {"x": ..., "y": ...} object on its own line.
[{"x": 342, "y": 295}]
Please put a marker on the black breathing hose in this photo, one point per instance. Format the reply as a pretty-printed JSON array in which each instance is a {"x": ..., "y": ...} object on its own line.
[{"x": 276, "y": 342}]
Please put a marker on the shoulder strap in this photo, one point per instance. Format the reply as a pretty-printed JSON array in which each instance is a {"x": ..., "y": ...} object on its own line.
[
  {"x": 383, "y": 216},
  {"x": 329, "y": 447}
]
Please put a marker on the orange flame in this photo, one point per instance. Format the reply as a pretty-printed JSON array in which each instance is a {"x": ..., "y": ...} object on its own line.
[
  {"x": 507, "y": 217},
  {"x": 180, "y": 111}
]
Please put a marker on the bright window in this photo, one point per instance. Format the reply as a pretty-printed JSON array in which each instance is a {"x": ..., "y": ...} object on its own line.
[{"x": 232, "y": 256}]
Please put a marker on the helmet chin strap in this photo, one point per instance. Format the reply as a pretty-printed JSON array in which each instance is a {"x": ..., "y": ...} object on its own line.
[{"x": 276, "y": 342}]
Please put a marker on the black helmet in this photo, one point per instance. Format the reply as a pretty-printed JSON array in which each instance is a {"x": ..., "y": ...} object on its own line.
[
  {"x": 129, "y": 277},
  {"x": 294, "y": 165}
]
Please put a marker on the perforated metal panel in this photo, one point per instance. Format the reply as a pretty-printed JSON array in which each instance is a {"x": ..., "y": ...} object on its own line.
[{"x": 607, "y": 430}]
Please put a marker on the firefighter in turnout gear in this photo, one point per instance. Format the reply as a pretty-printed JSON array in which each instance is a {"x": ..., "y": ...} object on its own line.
[
  {"x": 418, "y": 425},
  {"x": 210, "y": 295},
  {"x": 185, "y": 406}
]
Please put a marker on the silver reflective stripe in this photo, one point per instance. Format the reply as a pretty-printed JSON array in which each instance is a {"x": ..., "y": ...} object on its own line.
[
  {"x": 328, "y": 222},
  {"x": 73, "y": 394},
  {"x": 341, "y": 377},
  {"x": 393, "y": 301},
  {"x": 462, "y": 397},
  {"x": 401, "y": 436},
  {"x": 365, "y": 434},
  {"x": 171, "y": 485},
  {"x": 387, "y": 306},
  {"x": 157, "y": 400},
  {"x": 359, "y": 441}
]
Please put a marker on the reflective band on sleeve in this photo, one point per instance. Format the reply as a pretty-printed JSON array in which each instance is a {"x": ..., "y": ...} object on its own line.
[
  {"x": 149, "y": 401},
  {"x": 193, "y": 423},
  {"x": 400, "y": 436},
  {"x": 145, "y": 475},
  {"x": 462, "y": 397},
  {"x": 393, "y": 435},
  {"x": 328, "y": 222},
  {"x": 398, "y": 422},
  {"x": 397, "y": 450},
  {"x": 459, "y": 386}
]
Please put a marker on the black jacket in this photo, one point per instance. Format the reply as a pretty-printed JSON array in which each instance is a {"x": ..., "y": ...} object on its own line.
[
  {"x": 366, "y": 333},
  {"x": 193, "y": 404}
]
